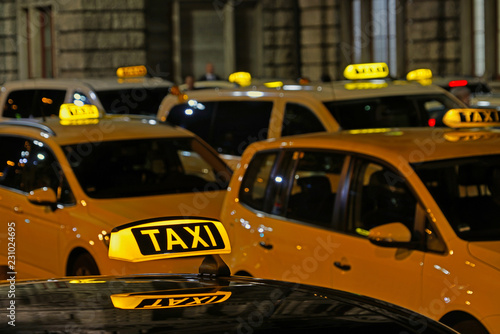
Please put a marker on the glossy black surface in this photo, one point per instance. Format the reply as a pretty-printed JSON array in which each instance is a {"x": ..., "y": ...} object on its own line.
[{"x": 187, "y": 304}]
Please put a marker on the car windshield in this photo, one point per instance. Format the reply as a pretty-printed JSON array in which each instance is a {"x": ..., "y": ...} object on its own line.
[
  {"x": 138, "y": 101},
  {"x": 389, "y": 111},
  {"x": 468, "y": 192},
  {"x": 145, "y": 167}
]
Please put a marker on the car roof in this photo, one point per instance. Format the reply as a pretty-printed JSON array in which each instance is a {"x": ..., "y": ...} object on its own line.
[
  {"x": 398, "y": 144},
  {"x": 341, "y": 90},
  {"x": 112, "y": 127},
  {"x": 97, "y": 84},
  {"x": 193, "y": 303}
]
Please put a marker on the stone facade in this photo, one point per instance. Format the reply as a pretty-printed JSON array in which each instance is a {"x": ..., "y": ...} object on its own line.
[
  {"x": 96, "y": 37},
  {"x": 8, "y": 49},
  {"x": 307, "y": 38}
]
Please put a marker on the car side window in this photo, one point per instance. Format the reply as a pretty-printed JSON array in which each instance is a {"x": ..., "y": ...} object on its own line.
[
  {"x": 257, "y": 179},
  {"x": 228, "y": 126},
  {"x": 29, "y": 165},
  {"x": 34, "y": 103},
  {"x": 299, "y": 119},
  {"x": 377, "y": 196},
  {"x": 312, "y": 194}
]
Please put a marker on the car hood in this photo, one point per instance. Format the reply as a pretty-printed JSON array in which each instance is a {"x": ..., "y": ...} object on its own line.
[
  {"x": 486, "y": 251},
  {"x": 118, "y": 211}
]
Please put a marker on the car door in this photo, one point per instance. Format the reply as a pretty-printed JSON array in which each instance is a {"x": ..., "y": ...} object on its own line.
[
  {"x": 28, "y": 164},
  {"x": 378, "y": 195},
  {"x": 286, "y": 231}
]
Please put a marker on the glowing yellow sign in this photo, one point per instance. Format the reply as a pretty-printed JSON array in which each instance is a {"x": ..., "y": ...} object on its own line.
[
  {"x": 274, "y": 84},
  {"x": 470, "y": 118},
  {"x": 241, "y": 78},
  {"x": 419, "y": 74},
  {"x": 366, "y": 71},
  {"x": 69, "y": 111},
  {"x": 131, "y": 71},
  {"x": 168, "y": 238},
  {"x": 157, "y": 300}
]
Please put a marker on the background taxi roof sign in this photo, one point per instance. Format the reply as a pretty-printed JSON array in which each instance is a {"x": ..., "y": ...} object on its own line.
[
  {"x": 471, "y": 118},
  {"x": 366, "y": 71},
  {"x": 419, "y": 74},
  {"x": 131, "y": 71},
  {"x": 164, "y": 238},
  {"x": 70, "y": 111},
  {"x": 241, "y": 78}
]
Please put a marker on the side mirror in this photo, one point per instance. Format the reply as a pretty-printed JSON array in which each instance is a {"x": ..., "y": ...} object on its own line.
[
  {"x": 390, "y": 235},
  {"x": 43, "y": 196}
]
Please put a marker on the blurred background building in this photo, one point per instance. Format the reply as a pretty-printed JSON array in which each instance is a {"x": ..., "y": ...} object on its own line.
[{"x": 269, "y": 38}]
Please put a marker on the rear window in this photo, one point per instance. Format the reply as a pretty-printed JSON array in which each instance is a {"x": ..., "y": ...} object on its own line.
[
  {"x": 389, "y": 111},
  {"x": 137, "y": 101},
  {"x": 30, "y": 103},
  {"x": 228, "y": 126}
]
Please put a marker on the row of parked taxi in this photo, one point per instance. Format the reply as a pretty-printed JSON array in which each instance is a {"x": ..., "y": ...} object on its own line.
[{"x": 349, "y": 185}]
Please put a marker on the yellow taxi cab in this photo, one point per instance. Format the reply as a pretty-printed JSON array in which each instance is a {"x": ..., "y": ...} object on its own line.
[
  {"x": 132, "y": 91},
  {"x": 67, "y": 181},
  {"x": 211, "y": 301},
  {"x": 230, "y": 119},
  {"x": 406, "y": 215}
]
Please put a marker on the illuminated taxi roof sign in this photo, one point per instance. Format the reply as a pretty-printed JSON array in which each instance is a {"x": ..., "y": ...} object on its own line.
[
  {"x": 71, "y": 112},
  {"x": 241, "y": 78},
  {"x": 131, "y": 71},
  {"x": 366, "y": 71},
  {"x": 165, "y": 238},
  {"x": 471, "y": 118},
  {"x": 419, "y": 74},
  {"x": 274, "y": 84},
  {"x": 167, "y": 299}
]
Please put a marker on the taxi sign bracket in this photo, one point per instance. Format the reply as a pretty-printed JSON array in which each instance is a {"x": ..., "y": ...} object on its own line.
[{"x": 213, "y": 265}]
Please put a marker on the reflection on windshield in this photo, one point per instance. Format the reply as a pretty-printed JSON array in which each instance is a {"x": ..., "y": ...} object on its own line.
[
  {"x": 389, "y": 111},
  {"x": 129, "y": 168},
  {"x": 468, "y": 193}
]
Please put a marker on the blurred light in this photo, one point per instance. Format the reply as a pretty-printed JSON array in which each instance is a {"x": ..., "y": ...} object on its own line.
[
  {"x": 432, "y": 122},
  {"x": 40, "y": 156},
  {"x": 457, "y": 83},
  {"x": 255, "y": 94},
  {"x": 483, "y": 103},
  {"x": 188, "y": 111},
  {"x": 278, "y": 179}
]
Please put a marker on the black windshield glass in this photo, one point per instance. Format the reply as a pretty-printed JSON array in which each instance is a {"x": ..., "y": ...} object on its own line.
[
  {"x": 129, "y": 168},
  {"x": 468, "y": 193}
]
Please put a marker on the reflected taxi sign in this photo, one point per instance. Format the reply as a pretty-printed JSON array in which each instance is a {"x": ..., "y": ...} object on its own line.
[
  {"x": 468, "y": 117},
  {"x": 366, "y": 71},
  {"x": 168, "y": 299},
  {"x": 163, "y": 238}
]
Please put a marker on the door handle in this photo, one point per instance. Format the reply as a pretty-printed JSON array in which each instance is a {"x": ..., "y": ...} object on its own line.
[
  {"x": 341, "y": 266},
  {"x": 266, "y": 246}
]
